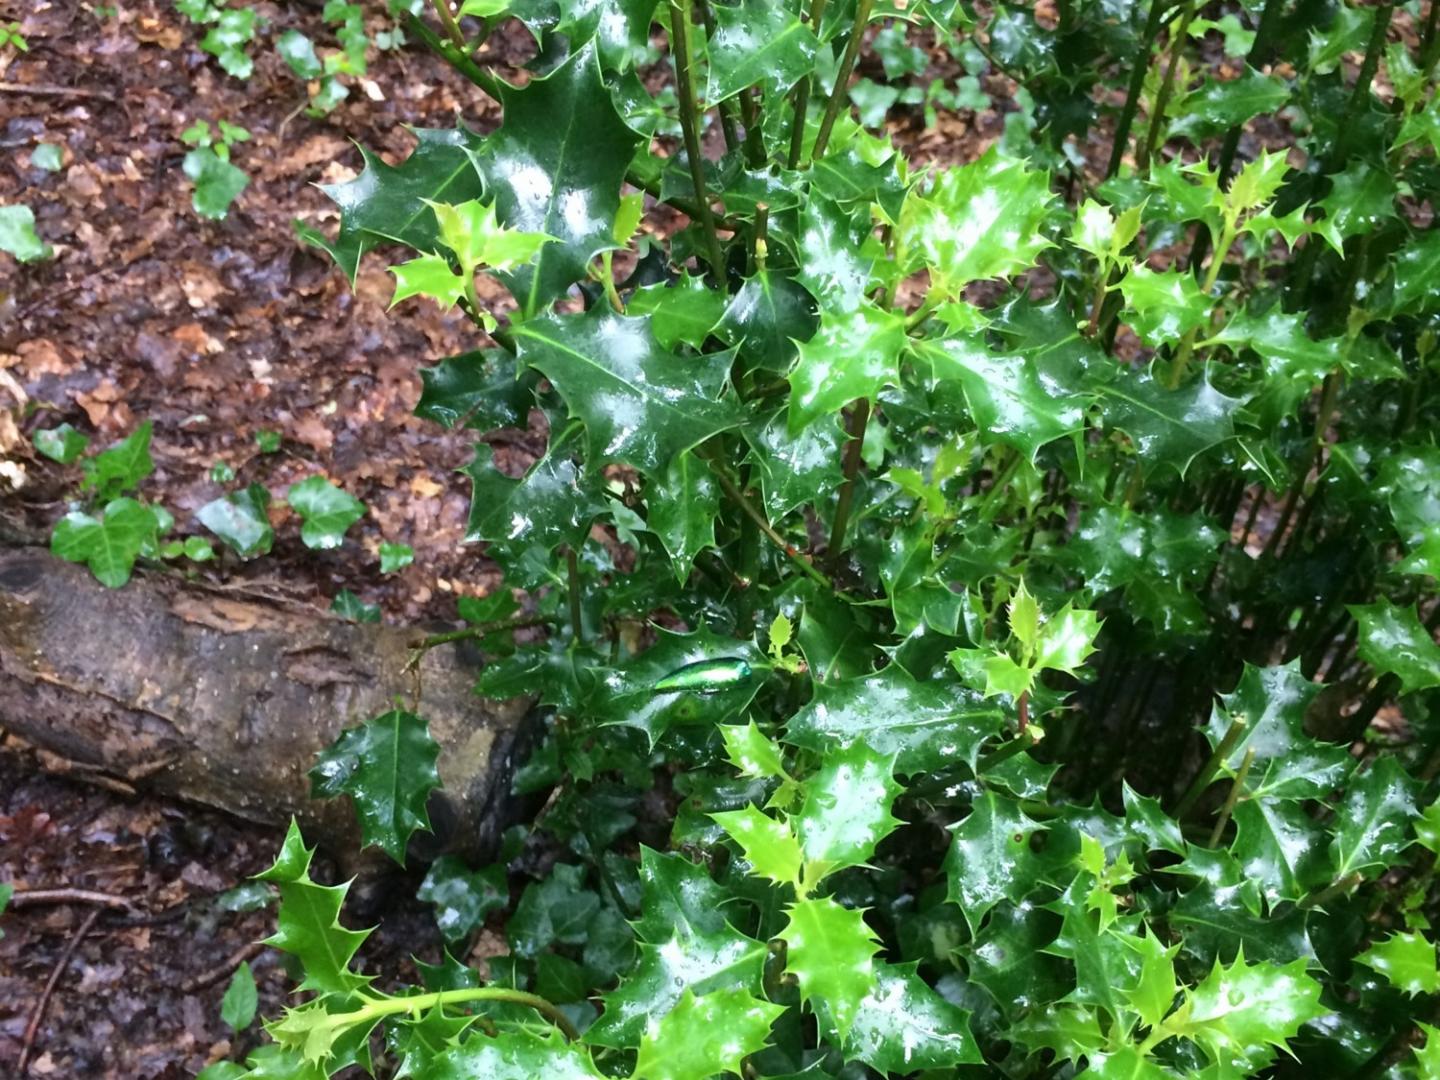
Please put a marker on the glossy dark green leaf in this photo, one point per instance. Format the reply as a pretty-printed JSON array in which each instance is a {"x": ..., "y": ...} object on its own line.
[
  {"x": 621, "y": 30},
  {"x": 462, "y": 897},
  {"x": 685, "y": 310},
  {"x": 757, "y": 42},
  {"x": 902, "y": 1026},
  {"x": 990, "y": 856},
  {"x": 1281, "y": 847},
  {"x": 930, "y": 724},
  {"x": 1416, "y": 267},
  {"x": 1218, "y": 105},
  {"x": 641, "y": 404},
  {"x": 683, "y": 503},
  {"x": 833, "y": 253},
  {"x": 517, "y": 1054},
  {"x": 327, "y": 512},
  {"x": 1393, "y": 640},
  {"x": 552, "y": 504},
  {"x": 557, "y": 910},
  {"x": 108, "y": 543},
  {"x": 1169, "y": 427},
  {"x": 555, "y": 167},
  {"x": 1372, "y": 823},
  {"x": 799, "y": 471},
  {"x": 1361, "y": 199},
  {"x": 851, "y": 356},
  {"x": 766, "y": 318},
  {"x": 480, "y": 389},
  {"x": 388, "y": 768}
]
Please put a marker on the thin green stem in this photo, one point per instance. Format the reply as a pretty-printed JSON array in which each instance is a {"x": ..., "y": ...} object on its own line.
[
  {"x": 473, "y": 633},
  {"x": 421, "y": 1003},
  {"x": 1236, "y": 787},
  {"x": 859, "y": 418},
  {"x": 1025, "y": 740},
  {"x": 1167, "y": 89},
  {"x": 734, "y": 494},
  {"x": 924, "y": 311},
  {"x": 802, "y": 94},
  {"x": 1231, "y": 739},
  {"x": 840, "y": 92},
  {"x": 1181, "y": 359},
  {"x": 1334, "y": 889},
  {"x": 454, "y": 56},
  {"x": 1138, "y": 66},
  {"x": 572, "y": 574},
  {"x": 680, "y": 51},
  {"x": 452, "y": 28}
]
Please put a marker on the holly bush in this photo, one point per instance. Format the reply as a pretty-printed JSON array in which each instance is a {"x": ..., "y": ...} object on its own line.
[{"x": 989, "y": 607}]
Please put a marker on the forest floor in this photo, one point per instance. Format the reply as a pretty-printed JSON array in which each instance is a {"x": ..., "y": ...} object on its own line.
[{"x": 215, "y": 331}]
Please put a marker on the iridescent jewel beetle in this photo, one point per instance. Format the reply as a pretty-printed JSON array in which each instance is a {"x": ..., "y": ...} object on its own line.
[{"x": 706, "y": 676}]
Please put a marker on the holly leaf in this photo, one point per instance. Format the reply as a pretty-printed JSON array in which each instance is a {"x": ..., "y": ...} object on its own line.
[
  {"x": 852, "y": 355},
  {"x": 326, "y": 511},
  {"x": 1239, "y": 1013},
  {"x": 683, "y": 503},
  {"x": 1168, "y": 427},
  {"x": 684, "y": 310},
  {"x": 552, "y": 504},
  {"x": 1218, "y": 105},
  {"x": 756, "y": 42},
  {"x": 1407, "y": 960},
  {"x": 1281, "y": 847},
  {"x": 1417, "y": 268},
  {"x": 241, "y": 520},
  {"x": 831, "y": 953},
  {"x": 1372, "y": 822},
  {"x": 110, "y": 543},
  {"x": 641, "y": 405},
  {"x": 462, "y": 897},
  {"x": 834, "y": 254},
  {"x": 766, "y": 317},
  {"x": 976, "y": 222},
  {"x": 990, "y": 857},
  {"x": 751, "y": 751},
  {"x": 388, "y": 768},
  {"x": 514, "y": 1054},
  {"x": 1394, "y": 641},
  {"x": 1361, "y": 198},
  {"x": 929, "y": 725},
  {"x": 902, "y": 1026},
  {"x": 1162, "y": 306},
  {"x": 1010, "y": 398},
  {"x": 308, "y": 924},
  {"x": 687, "y": 944},
  {"x": 846, "y": 810},
  {"x": 556, "y": 166},
  {"x": 769, "y": 846},
  {"x": 794, "y": 472},
  {"x": 704, "y": 1036}
]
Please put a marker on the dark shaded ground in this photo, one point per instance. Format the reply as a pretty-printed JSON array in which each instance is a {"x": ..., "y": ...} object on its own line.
[{"x": 214, "y": 331}]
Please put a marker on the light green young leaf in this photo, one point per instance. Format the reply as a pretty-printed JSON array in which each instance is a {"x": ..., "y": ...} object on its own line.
[
  {"x": 327, "y": 511},
  {"x": 18, "y": 236},
  {"x": 240, "y": 520},
  {"x": 395, "y": 557},
  {"x": 751, "y": 751},
  {"x": 831, "y": 952},
  {"x": 705, "y": 1036},
  {"x": 769, "y": 846},
  {"x": 846, "y": 810},
  {"x": 63, "y": 444},
  {"x": 110, "y": 543},
  {"x": 237, "y": 1007},
  {"x": 1407, "y": 959}
]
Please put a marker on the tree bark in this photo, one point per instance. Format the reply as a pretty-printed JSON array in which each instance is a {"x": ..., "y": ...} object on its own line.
[{"x": 226, "y": 698}]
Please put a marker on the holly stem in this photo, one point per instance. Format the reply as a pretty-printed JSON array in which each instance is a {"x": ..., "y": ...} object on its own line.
[
  {"x": 1236, "y": 786},
  {"x": 1167, "y": 89},
  {"x": 1138, "y": 67},
  {"x": 1197, "y": 787},
  {"x": 802, "y": 94},
  {"x": 690, "y": 128},
  {"x": 859, "y": 418},
  {"x": 734, "y": 494},
  {"x": 1187, "y": 346},
  {"x": 476, "y": 632},
  {"x": 839, "y": 93},
  {"x": 572, "y": 571},
  {"x": 420, "y": 1004},
  {"x": 1334, "y": 889},
  {"x": 452, "y": 28}
]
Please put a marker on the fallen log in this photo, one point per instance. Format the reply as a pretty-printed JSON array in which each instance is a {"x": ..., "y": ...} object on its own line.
[{"x": 225, "y": 698}]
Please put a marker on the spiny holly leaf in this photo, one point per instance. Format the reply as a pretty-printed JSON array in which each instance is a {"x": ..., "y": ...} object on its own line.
[
  {"x": 1238, "y": 1014},
  {"x": 387, "y": 766},
  {"x": 976, "y": 222},
  {"x": 683, "y": 503},
  {"x": 1427, "y": 1057},
  {"x": 327, "y": 511},
  {"x": 990, "y": 858},
  {"x": 1361, "y": 198},
  {"x": 1128, "y": 1063},
  {"x": 1065, "y": 639},
  {"x": 1009, "y": 397},
  {"x": 902, "y": 1026},
  {"x": 685, "y": 309},
  {"x": 1417, "y": 267},
  {"x": 705, "y": 1036},
  {"x": 1407, "y": 959},
  {"x": 1154, "y": 994},
  {"x": 688, "y": 944},
  {"x": 757, "y": 42},
  {"x": 751, "y": 751},
  {"x": 852, "y": 355},
  {"x": 930, "y": 725},
  {"x": 1218, "y": 105},
  {"x": 241, "y": 520},
  {"x": 308, "y": 925},
  {"x": 1372, "y": 823},
  {"x": 1281, "y": 847},
  {"x": 769, "y": 846},
  {"x": 390, "y": 203},
  {"x": 556, "y": 166},
  {"x": 552, "y": 504},
  {"x": 1007, "y": 958},
  {"x": 834, "y": 253},
  {"x": 1393, "y": 640},
  {"x": 621, "y": 29},
  {"x": 1104, "y": 234},
  {"x": 846, "y": 810},
  {"x": 516, "y": 1054},
  {"x": 1289, "y": 764},
  {"x": 1168, "y": 427},
  {"x": 108, "y": 544},
  {"x": 1162, "y": 306},
  {"x": 798, "y": 471},
  {"x": 831, "y": 952},
  {"x": 463, "y": 897},
  {"x": 1293, "y": 362},
  {"x": 1106, "y": 952},
  {"x": 475, "y": 239},
  {"x": 641, "y": 405},
  {"x": 769, "y": 314}
]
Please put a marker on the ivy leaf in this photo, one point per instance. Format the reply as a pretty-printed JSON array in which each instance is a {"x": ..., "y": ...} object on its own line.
[
  {"x": 846, "y": 810},
  {"x": 387, "y": 766},
  {"x": 108, "y": 544},
  {"x": 1010, "y": 398},
  {"x": 1372, "y": 823},
  {"x": 798, "y": 471},
  {"x": 237, "y": 1007},
  {"x": 1237, "y": 1014},
  {"x": 641, "y": 404},
  {"x": 308, "y": 925},
  {"x": 977, "y": 221},
  {"x": 514, "y": 1054},
  {"x": 218, "y": 183},
  {"x": 121, "y": 467},
  {"x": 1394, "y": 641},
  {"x": 395, "y": 557},
  {"x": 687, "y": 945},
  {"x": 902, "y": 1026},
  {"x": 554, "y": 503},
  {"x": 852, "y": 355},
  {"x": 1168, "y": 427},
  {"x": 327, "y": 511},
  {"x": 1163, "y": 305},
  {"x": 990, "y": 858},
  {"x": 349, "y": 606},
  {"x": 1407, "y": 959},
  {"x": 463, "y": 898},
  {"x": 18, "y": 237},
  {"x": 559, "y": 909},
  {"x": 556, "y": 166},
  {"x": 766, "y": 318},
  {"x": 241, "y": 520},
  {"x": 831, "y": 952},
  {"x": 63, "y": 444},
  {"x": 769, "y": 846},
  {"x": 929, "y": 725},
  {"x": 704, "y": 1036},
  {"x": 683, "y": 505}
]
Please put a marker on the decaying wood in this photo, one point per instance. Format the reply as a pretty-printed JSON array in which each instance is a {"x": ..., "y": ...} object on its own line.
[{"x": 226, "y": 700}]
